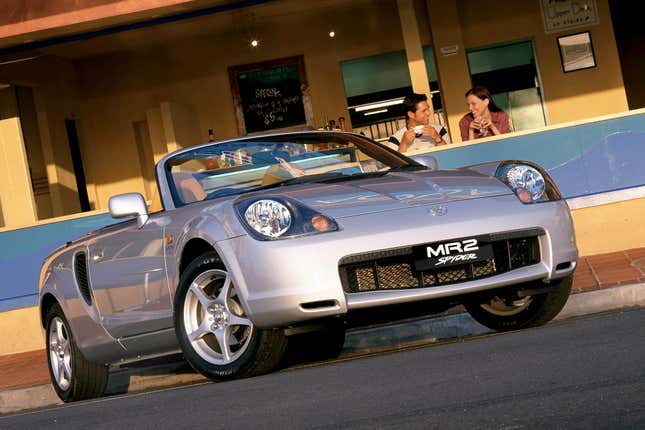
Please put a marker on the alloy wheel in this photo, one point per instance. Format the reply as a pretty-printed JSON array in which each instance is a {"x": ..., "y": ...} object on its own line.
[
  {"x": 60, "y": 353},
  {"x": 506, "y": 307},
  {"x": 214, "y": 320}
]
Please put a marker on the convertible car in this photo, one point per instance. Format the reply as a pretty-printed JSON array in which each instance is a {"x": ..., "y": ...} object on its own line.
[{"x": 267, "y": 244}]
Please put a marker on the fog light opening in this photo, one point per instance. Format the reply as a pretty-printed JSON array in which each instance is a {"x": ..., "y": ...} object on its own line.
[
  {"x": 563, "y": 266},
  {"x": 321, "y": 304}
]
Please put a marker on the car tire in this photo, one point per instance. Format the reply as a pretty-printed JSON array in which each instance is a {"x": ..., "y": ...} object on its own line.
[
  {"x": 214, "y": 333},
  {"x": 319, "y": 345},
  {"x": 73, "y": 376},
  {"x": 507, "y": 314}
]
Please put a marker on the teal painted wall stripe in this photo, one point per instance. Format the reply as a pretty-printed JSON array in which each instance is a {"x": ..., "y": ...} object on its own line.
[{"x": 23, "y": 251}]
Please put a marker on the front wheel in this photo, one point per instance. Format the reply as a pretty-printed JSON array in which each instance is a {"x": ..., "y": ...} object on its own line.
[
  {"x": 72, "y": 375},
  {"x": 214, "y": 332},
  {"x": 508, "y": 312}
]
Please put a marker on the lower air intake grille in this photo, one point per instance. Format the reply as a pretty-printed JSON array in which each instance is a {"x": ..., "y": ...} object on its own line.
[
  {"x": 394, "y": 269},
  {"x": 80, "y": 270}
]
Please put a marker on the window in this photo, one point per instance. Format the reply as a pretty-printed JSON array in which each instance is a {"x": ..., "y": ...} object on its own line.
[{"x": 509, "y": 72}]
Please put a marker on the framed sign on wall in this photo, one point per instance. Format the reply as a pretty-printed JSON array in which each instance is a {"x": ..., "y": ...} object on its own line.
[
  {"x": 271, "y": 95},
  {"x": 576, "y": 52},
  {"x": 560, "y": 15}
]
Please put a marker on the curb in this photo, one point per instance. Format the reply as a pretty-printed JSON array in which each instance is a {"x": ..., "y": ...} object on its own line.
[
  {"x": 359, "y": 341},
  {"x": 18, "y": 399},
  {"x": 592, "y": 302}
]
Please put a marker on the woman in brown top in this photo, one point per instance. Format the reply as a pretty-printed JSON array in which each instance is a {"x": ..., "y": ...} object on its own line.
[{"x": 485, "y": 118}]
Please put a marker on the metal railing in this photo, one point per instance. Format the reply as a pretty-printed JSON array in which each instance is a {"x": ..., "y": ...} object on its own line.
[{"x": 382, "y": 130}]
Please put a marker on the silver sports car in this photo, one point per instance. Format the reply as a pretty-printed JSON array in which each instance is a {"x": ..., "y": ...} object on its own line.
[{"x": 278, "y": 242}]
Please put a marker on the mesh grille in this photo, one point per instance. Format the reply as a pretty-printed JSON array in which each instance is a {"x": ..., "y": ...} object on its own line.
[
  {"x": 522, "y": 252},
  {"x": 80, "y": 270},
  {"x": 452, "y": 276},
  {"x": 398, "y": 275},
  {"x": 365, "y": 279},
  {"x": 483, "y": 268},
  {"x": 390, "y": 273}
]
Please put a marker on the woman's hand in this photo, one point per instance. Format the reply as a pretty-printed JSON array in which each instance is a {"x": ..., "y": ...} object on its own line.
[
  {"x": 488, "y": 125},
  {"x": 472, "y": 128}
]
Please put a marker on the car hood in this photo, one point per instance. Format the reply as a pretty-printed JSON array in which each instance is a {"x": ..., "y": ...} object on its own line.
[{"x": 396, "y": 190}]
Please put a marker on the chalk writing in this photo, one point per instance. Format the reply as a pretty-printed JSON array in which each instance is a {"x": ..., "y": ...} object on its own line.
[{"x": 271, "y": 98}]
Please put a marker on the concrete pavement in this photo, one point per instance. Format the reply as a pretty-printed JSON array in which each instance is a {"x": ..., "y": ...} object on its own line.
[{"x": 576, "y": 374}]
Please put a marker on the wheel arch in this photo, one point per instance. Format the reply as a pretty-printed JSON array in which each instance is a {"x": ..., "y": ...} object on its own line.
[
  {"x": 193, "y": 249},
  {"x": 46, "y": 304}
]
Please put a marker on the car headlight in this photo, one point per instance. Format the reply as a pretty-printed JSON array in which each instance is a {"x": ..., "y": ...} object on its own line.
[
  {"x": 528, "y": 181},
  {"x": 270, "y": 218}
]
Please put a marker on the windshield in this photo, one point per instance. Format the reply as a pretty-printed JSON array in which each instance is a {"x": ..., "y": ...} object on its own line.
[{"x": 245, "y": 165}]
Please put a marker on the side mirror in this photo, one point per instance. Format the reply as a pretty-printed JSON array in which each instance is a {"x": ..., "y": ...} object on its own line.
[
  {"x": 427, "y": 160},
  {"x": 130, "y": 204}
]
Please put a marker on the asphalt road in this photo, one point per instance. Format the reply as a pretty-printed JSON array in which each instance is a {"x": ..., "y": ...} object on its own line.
[{"x": 583, "y": 373}]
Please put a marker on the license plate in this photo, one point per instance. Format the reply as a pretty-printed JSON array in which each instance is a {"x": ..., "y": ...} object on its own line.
[{"x": 454, "y": 253}]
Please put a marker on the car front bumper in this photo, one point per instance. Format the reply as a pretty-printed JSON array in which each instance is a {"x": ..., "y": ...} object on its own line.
[{"x": 287, "y": 281}]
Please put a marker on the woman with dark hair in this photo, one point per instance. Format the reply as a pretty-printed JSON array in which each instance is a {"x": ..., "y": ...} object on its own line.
[{"x": 485, "y": 118}]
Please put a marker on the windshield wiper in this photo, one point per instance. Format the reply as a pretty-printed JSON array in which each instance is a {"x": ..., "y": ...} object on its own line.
[
  {"x": 222, "y": 192},
  {"x": 321, "y": 178},
  {"x": 408, "y": 168}
]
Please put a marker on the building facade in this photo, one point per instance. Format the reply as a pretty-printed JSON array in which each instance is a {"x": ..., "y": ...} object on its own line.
[{"x": 95, "y": 91}]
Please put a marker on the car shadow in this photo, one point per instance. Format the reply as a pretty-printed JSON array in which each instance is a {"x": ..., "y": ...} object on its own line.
[
  {"x": 173, "y": 370},
  {"x": 159, "y": 372}
]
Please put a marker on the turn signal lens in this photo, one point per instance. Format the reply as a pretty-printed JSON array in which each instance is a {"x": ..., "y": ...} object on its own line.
[
  {"x": 321, "y": 223},
  {"x": 524, "y": 195}
]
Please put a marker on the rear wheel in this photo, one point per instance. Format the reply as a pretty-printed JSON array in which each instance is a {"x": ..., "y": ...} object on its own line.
[
  {"x": 72, "y": 375},
  {"x": 214, "y": 332},
  {"x": 510, "y": 312}
]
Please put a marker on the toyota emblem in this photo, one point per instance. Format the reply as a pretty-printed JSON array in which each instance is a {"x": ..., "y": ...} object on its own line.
[{"x": 438, "y": 210}]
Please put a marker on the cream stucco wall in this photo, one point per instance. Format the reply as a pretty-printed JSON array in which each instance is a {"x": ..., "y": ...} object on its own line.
[
  {"x": 111, "y": 83},
  {"x": 54, "y": 83},
  {"x": 21, "y": 331},
  {"x": 119, "y": 89},
  {"x": 610, "y": 228},
  {"x": 569, "y": 96}
]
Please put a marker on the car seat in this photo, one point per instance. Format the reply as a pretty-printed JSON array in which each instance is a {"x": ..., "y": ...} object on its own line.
[{"x": 188, "y": 187}]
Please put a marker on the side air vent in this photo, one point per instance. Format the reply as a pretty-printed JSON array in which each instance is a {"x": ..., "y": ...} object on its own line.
[{"x": 80, "y": 270}]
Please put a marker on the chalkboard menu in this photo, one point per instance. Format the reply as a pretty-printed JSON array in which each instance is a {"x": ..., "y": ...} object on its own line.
[{"x": 271, "y": 95}]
